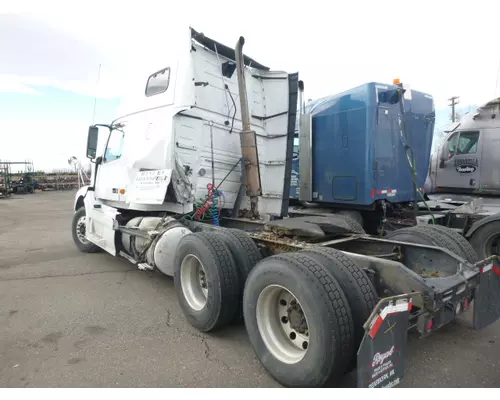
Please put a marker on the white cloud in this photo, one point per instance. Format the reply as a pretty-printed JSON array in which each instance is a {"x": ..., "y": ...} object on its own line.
[
  {"x": 21, "y": 84},
  {"x": 442, "y": 48},
  {"x": 48, "y": 145},
  {"x": 13, "y": 85}
]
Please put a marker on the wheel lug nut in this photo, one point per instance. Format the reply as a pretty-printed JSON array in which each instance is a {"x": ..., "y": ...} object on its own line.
[
  {"x": 293, "y": 335},
  {"x": 284, "y": 320},
  {"x": 282, "y": 302},
  {"x": 304, "y": 345}
]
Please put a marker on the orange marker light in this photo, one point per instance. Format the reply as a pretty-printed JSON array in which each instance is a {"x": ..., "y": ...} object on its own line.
[
  {"x": 122, "y": 191},
  {"x": 396, "y": 81}
]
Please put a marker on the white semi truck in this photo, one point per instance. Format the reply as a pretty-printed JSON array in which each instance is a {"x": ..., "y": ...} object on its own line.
[{"x": 193, "y": 180}]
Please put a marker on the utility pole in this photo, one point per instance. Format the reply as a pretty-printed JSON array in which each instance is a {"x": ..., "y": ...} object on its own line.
[{"x": 454, "y": 102}]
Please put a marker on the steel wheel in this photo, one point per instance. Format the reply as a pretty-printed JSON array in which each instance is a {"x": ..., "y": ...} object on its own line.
[
  {"x": 80, "y": 230},
  {"x": 282, "y": 324},
  {"x": 493, "y": 245},
  {"x": 194, "y": 282}
]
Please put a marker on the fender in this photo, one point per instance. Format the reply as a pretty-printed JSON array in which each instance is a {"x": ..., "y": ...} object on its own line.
[
  {"x": 80, "y": 195},
  {"x": 478, "y": 224}
]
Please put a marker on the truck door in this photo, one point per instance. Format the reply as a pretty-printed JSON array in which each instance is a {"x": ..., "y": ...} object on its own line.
[
  {"x": 111, "y": 173},
  {"x": 459, "y": 161},
  {"x": 488, "y": 164}
]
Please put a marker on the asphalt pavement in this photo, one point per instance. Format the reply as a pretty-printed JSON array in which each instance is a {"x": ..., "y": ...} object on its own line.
[{"x": 69, "y": 319}]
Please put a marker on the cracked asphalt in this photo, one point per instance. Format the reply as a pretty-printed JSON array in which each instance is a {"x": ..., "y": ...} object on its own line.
[{"x": 69, "y": 319}]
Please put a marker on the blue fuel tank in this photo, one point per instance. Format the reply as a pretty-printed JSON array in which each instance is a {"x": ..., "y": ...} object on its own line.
[{"x": 358, "y": 154}]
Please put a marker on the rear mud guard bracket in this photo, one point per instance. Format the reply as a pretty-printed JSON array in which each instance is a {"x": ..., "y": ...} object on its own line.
[{"x": 382, "y": 350}]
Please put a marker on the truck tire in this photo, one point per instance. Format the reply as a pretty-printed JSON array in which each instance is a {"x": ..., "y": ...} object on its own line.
[
  {"x": 206, "y": 281},
  {"x": 428, "y": 237},
  {"x": 354, "y": 225},
  {"x": 298, "y": 320},
  {"x": 78, "y": 231},
  {"x": 357, "y": 287},
  {"x": 468, "y": 250},
  {"x": 486, "y": 240},
  {"x": 251, "y": 250},
  {"x": 353, "y": 214},
  {"x": 246, "y": 254}
]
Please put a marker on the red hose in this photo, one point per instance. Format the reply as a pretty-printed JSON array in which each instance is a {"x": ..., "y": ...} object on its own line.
[{"x": 208, "y": 203}]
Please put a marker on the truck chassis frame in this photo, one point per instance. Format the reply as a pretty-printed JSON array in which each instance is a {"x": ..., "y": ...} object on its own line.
[{"x": 417, "y": 287}]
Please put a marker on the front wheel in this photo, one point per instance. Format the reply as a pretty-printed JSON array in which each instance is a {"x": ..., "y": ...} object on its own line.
[{"x": 78, "y": 228}]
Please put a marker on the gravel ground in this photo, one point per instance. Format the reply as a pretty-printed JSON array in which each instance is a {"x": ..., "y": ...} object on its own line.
[{"x": 69, "y": 319}]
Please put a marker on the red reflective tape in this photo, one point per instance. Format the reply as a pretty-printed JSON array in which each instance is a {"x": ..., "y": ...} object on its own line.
[
  {"x": 373, "y": 193},
  {"x": 410, "y": 305},
  {"x": 376, "y": 326},
  {"x": 496, "y": 269},
  {"x": 400, "y": 306}
]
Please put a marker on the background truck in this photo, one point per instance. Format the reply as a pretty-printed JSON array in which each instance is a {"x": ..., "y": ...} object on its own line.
[
  {"x": 353, "y": 157},
  {"x": 193, "y": 179},
  {"x": 463, "y": 183}
]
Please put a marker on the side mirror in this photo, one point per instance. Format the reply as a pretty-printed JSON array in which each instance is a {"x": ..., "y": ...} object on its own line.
[
  {"x": 92, "y": 142},
  {"x": 443, "y": 155}
]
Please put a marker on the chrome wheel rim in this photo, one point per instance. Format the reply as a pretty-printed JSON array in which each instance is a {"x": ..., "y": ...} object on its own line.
[
  {"x": 81, "y": 229},
  {"x": 194, "y": 282},
  {"x": 282, "y": 324}
]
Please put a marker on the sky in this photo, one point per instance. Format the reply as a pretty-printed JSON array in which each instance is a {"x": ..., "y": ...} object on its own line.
[{"x": 58, "y": 58}]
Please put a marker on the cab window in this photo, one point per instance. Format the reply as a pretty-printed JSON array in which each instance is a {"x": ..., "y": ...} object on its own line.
[
  {"x": 467, "y": 143},
  {"x": 158, "y": 82},
  {"x": 115, "y": 146},
  {"x": 452, "y": 144}
]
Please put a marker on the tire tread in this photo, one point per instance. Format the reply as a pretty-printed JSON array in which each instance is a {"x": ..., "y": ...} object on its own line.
[
  {"x": 343, "y": 317},
  {"x": 228, "y": 278},
  {"x": 462, "y": 242}
]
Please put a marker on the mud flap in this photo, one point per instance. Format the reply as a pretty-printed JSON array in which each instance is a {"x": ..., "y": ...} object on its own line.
[
  {"x": 487, "y": 297},
  {"x": 382, "y": 350}
]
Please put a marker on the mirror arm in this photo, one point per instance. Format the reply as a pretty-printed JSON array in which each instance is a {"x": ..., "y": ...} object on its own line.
[{"x": 104, "y": 126}]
